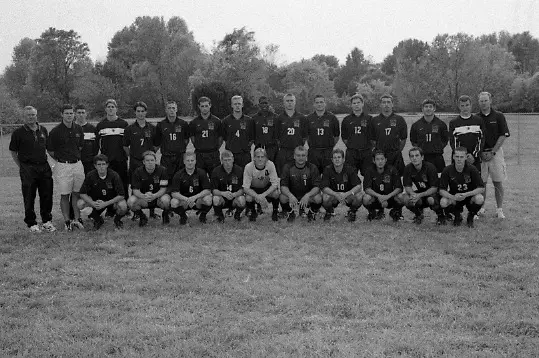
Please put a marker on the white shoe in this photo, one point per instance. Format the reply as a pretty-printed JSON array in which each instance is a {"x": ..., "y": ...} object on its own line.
[
  {"x": 35, "y": 228},
  {"x": 48, "y": 226},
  {"x": 481, "y": 212},
  {"x": 77, "y": 224},
  {"x": 500, "y": 214}
]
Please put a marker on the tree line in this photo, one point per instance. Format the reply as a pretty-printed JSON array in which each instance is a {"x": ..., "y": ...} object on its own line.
[{"x": 156, "y": 61}]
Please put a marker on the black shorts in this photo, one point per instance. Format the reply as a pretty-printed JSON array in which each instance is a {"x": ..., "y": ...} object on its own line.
[
  {"x": 425, "y": 202},
  {"x": 321, "y": 157},
  {"x": 260, "y": 190},
  {"x": 208, "y": 160},
  {"x": 242, "y": 159},
  {"x": 391, "y": 203},
  {"x": 173, "y": 163},
  {"x": 284, "y": 156},
  {"x": 395, "y": 159},
  {"x": 437, "y": 159},
  {"x": 359, "y": 159}
]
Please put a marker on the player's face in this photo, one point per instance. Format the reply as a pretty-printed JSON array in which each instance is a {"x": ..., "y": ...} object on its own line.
[
  {"x": 357, "y": 105},
  {"x": 320, "y": 104},
  {"x": 227, "y": 162},
  {"x": 237, "y": 105},
  {"x": 289, "y": 103},
  {"x": 428, "y": 110},
  {"x": 190, "y": 162},
  {"x": 380, "y": 161},
  {"x": 264, "y": 105},
  {"x": 415, "y": 158},
  {"x": 171, "y": 110},
  {"x": 140, "y": 113},
  {"x": 485, "y": 102},
  {"x": 111, "y": 109},
  {"x": 30, "y": 116},
  {"x": 465, "y": 108},
  {"x": 300, "y": 157},
  {"x": 260, "y": 160},
  {"x": 337, "y": 159},
  {"x": 68, "y": 115},
  {"x": 460, "y": 158},
  {"x": 386, "y": 105},
  {"x": 204, "y": 108},
  {"x": 149, "y": 163},
  {"x": 101, "y": 167},
  {"x": 80, "y": 115}
]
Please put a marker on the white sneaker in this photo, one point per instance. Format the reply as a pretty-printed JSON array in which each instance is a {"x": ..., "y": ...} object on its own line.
[
  {"x": 78, "y": 224},
  {"x": 35, "y": 228},
  {"x": 481, "y": 212},
  {"x": 48, "y": 226},
  {"x": 500, "y": 214}
]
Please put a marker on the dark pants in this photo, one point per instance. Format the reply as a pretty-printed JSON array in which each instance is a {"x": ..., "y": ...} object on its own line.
[
  {"x": 88, "y": 167},
  {"x": 321, "y": 157},
  {"x": 284, "y": 155},
  {"x": 208, "y": 161},
  {"x": 133, "y": 165},
  {"x": 271, "y": 152},
  {"x": 436, "y": 159},
  {"x": 242, "y": 159},
  {"x": 395, "y": 159},
  {"x": 173, "y": 163},
  {"x": 36, "y": 178},
  {"x": 359, "y": 159},
  {"x": 458, "y": 208},
  {"x": 121, "y": 169}
]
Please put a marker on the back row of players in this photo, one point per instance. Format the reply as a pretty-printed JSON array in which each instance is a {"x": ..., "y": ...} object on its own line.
[{"x": 373, "y": 147}]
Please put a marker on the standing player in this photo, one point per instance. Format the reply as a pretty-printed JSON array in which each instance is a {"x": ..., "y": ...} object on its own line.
[
  {"x": 461, "y": 185},
  {"x": 265, "y": 122},
  {"x": 190, "y": 189},
  {"x": 389, "y": 132},
  {"x": 430, "y": 134},
  {"x": 291, "y": 132},
  {"x": 323, "y": 134},
  {"x": 103, "y": 188},
  {"x": 355, "y": 129},
  {"x": 340, "y": 185},
  {"x": 227, "y": 184},
  {"x": 468, "y": 131},
  {"x": 172, "y": 136},
  {"x": 383, "y": 189},
  {"x": 89, "y": 148},
  {"x": 149, "y": 185},
  {"x": 261, "y": 185},
  {"x": 64, "y": 146},
  {"x": 423, "y": 176},
  {"x": 110, "y": 136},
  {"x": 492, "y": 160},
  {"x": 28, "y": 149},
  {"x": 207, "y": 136},
  {"x": 300, "y": 186},
  {"x": 238, "y": 132}
]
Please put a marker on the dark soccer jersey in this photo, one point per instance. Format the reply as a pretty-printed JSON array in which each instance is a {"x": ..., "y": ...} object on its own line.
[
  {"x": 206, "y": 133},
  {"x": 102, "y": 189},
  {"x": 265, "y": 129},
  {"x": 431, "y": 137},
  {"x": 355, "y": 129},
  {"x": 495, "y": 127},
  {"x": 300, "y": 180},
  {"x": 469, "y": 179},
  {"x": 89, "y": 148},
  {"x": 291, "y": 130},
  {"x": 467, "y": 133},
  {"x": 322, "y": 130},
  {"x": 172, "y": 136},
  {"x": 223, "y": 181},
  {"x": 146, "y": 182},
  {"x": 238, "y": 133},
  {"x": 110, "y": 136},
  {"x": 382, "y": 183},
  {"x": 343, "y": 181},
  {"x": 65, "y": 142},
  {"x": 30, "y": 145},
  {"x": 388, "y": 132},
  {"x": 424, "y": 179},
  {"x": 189, "y": 185},
  {"x": 139, "y": 139}
]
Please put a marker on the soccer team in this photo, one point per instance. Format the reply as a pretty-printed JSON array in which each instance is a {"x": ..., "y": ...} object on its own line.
[{"x": 94, "y": 166}]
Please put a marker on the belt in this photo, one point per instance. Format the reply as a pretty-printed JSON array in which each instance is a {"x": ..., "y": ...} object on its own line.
[{"x": 67, "y": 161}]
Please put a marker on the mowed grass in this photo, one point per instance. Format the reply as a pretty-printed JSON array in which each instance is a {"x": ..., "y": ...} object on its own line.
[{"x": 274, "y": 290}]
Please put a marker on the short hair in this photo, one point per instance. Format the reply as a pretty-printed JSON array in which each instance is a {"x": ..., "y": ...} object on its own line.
[
  {"x": 261, "y": 150},
  {"x": 204, "y": 99},
  {"x": 289, "y": 95},
  {"x": 416, "y": 149},
  {"x": 319, "y": 96},
  {"x": 227, "y": 154},
  {"x": 149, "y": 152},
  {"x": 66, "y": 106},
  {"x": 337, "y": 151},
  {"x": 464, "y": 98},
  {"x": 386, "y": 96},
  {"x": 378, "y": 152},
  {"x": 300, "y": 148},
  {"x": 171, "y": 102},
  {"x": 428, "y": 101},
  {"x": 30, "y": 108},
  {"x": 263, "y": 98},
  {"x": 80, "y": 106},
  {"x": 189, "y": 154},
  {"x": 101, "y": 158},
  {"x": 485, "y": 93},
  {"x": 460, "y": 149},
  {"x": 140, "y": 104},
  {"x": 236, "y": 97},
  {"x": 356, "y": 96},
  {"x": 109, "y": 101}
]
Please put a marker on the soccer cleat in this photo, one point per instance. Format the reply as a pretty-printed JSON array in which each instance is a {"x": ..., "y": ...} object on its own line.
[
  {"x": 202, "y": 218},
  {"x": 143, "y": 219},
  {"x": 440, "y": 220},
  {"x": 275, "y": 215},
  {"x": 481, "y": 212},
  {"x": 253, "y": 215},
  {"x": 118, "y": 222},
  {"x": 499, "y": 213},
  {"x": 259, "y": 210},
  {"x": 230, "y": 213},
  {"x": 457, "y": 220},
  {"x": 291, "y": 216},
  {"x": 78, "y": 224},
  {"x": 380, "y": 215},
  {"x": 394, "y": 215},
  {"x": 183, "y": 219},
  {"x": 351, "y": 216},
  {"x": 469, "y": 220},
  {"x": 418, "y": 219},
  {"x": 327, "y": 216},
  {"x": 302, "y": 213},
  {"x": 110, "y": 212},
  {"x": 135, "y": 216},
  {"x": 220, "y": 218},
  {"x": 48, "y": 227},
  {"x": 98, "y": 222},
  {"x": 165, "y": 217},
  {"x": 153, "y": 215},
  {"x": 372, "y": 215},
  {"x": 237, "y": 215},
  {"x": 35, "y": 228},
  {"x": 311, "y": 216},
  {"x": 68, "y": 226}
]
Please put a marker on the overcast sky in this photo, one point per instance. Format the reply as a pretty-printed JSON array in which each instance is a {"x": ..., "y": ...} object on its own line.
[{"x": 300, "y": 28}]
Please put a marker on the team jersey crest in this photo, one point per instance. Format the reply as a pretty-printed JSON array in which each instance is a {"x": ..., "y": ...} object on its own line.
[
  {"x": 363, "y": 122},
  {"x": 234, "y": 179},
  {"x": 242, "y": 125},
  {"x": 147, "y": 134},
  {"x": 424, "y": 177},
  {"x": 195, "y": 182},
  {"x": 304, "y": 176},
  {"x": 270, "y": 122},
  {"x": 393, "y": 122},
  {"x": 345, "y": 178},
  {"x": 296, "y": 123},
  {"x": 387, "y": 179},
  {"x": 109, "y": 185},
  {"x": 467, "y": 178},
  {"x": 178, "y": 129},
  {"x": 211, "y": 126},
  {"x": 434, "y": 128},
  {"x": 326, "y": 123},
  {"x": 156, "y": 179}
]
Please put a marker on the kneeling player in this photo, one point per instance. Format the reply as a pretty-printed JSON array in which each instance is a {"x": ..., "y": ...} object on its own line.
[
  {"x": 261, "y": 184},
  {"x": 424, "y": 176},
  {"x": 383, "y": 189},
  {"x": 190, "y": 189},
  {"x": 227, "y": 184},
  {"x": 149, "y": 185},
  {"x": 465, "y": 188},
  {"x": 102, "y": 188},
  {"x": 300, "y": 186},
  {"x": 340, "y": 185}
]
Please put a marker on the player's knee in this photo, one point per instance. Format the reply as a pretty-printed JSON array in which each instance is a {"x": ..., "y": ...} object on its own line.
[
  {"x": 367, "y": 199},
  {"x": 164, "y": 202},
  {"x": 207, "y": 200},
  {"x": 240, "y": 201},
  {"x": 249, "y": 198},
  {"x": 81, "y": 204},
  {"x": 316, "y": 199},
  {"x": 217, "y": 200},
  {"x": 132, "y": 203},
  {"x": 275, "y": 194},
  {"x": 174, "y": 203},
  {"x": 431, "y": 201},
  {"x": 399, "y": 199},
  {"x": 121, "y": 207},
  {"x": 444, "y": 202},
  {"x": 326, "y": 199},
  {"x": 478, "y": 199},
  {"x": 283, "y": 199}
]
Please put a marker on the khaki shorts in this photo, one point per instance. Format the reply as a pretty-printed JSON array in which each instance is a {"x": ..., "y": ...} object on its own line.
[
  {"x": 69, "y": 177},
  {"x": 495, "y": 167}
]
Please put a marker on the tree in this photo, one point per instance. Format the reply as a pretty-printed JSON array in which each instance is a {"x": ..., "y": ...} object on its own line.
[
  {"x": 10, "y": 111},
  {"x": 355, "y": 67},
  {"x": 525, "y": 48},
  {"x": 16, "y": 75}
]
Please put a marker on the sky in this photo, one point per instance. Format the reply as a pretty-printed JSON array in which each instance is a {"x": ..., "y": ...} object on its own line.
[{"x": 300, "y": 28}]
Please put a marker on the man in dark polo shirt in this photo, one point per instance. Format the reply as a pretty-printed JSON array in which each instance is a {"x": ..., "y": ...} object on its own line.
[
  {"x": 430, "y": 134},
  {"x": 110, "y": 136},
  {"x": 323, "y": 134},
  {"x": 172, "y": 136},
  {"x": 90, "y": 147},
  {"x": 64, "y": 146},
  {"x": 103, "y": 188},
  {"x": 239, "y": 133},
  {"x": 206, "y": 133},
  {"x": 227, "y": 187},
  {"x": 355, "y": 129},
  {"x": 28, "y": 149},
  {"x": 291, "y": 132},
  {"x": 265, "y": 122},
  {"x": 389, "y": 132},
  {"x": 300, "y": 186}
]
